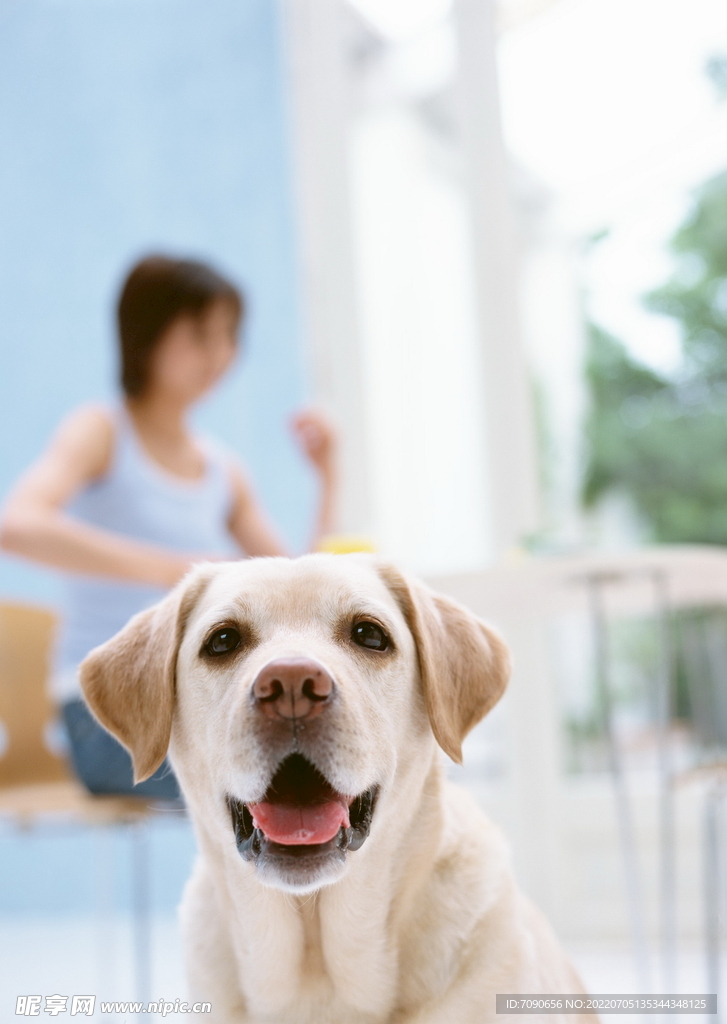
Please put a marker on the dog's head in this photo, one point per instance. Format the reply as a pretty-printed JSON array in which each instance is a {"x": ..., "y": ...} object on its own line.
[{"x": 300, "y": 698}]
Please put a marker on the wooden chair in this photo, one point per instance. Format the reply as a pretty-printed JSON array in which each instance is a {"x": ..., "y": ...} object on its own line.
[
  {"x": 37, "y": 784},
  {"x": 35, "y": 781}
]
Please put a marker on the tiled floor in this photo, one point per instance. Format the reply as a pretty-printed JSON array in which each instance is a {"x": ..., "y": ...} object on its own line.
[{"x": 80, "y": 955}]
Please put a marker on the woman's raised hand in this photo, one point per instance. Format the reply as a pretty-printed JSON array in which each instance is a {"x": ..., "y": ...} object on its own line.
[{"x": 317, "y": 439}]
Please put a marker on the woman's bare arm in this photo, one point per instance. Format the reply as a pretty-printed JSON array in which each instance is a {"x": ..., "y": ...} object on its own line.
[
  {"x": 248, "y": 523},
  {"x": 34, "y": 525},
  {"x": 317, "y": 439}
]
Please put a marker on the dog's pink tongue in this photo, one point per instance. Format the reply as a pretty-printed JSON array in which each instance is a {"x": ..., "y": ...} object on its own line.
[{"x": 300, "y": 826}]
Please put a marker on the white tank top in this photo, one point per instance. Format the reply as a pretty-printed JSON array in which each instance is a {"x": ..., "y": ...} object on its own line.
[{"x": 139, "y": 499}]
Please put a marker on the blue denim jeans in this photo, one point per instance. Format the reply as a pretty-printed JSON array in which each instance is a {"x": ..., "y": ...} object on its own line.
[{"x": 103, "y": 765}]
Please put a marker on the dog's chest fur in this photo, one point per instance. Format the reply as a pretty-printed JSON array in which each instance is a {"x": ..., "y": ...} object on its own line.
[
  {"x": 322, "y": 959},
  {"x": 349, "y": 954}
]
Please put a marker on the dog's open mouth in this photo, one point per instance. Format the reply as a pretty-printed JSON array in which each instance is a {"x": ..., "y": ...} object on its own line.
[{"x": 301, "y": 815}]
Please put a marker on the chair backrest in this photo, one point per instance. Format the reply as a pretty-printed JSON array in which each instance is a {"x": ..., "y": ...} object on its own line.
[{"x": 26, "y": 712}]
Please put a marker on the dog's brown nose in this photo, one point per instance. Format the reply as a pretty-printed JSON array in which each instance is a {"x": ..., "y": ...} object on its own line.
[{"x": 292, "y": 688}]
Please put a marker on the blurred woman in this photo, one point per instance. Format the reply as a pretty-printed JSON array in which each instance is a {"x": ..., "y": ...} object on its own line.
[{"x": 126, "y": 498}]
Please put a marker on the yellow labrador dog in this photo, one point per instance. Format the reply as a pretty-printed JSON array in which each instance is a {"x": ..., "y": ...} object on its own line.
[{"x": 340, "y": 879}]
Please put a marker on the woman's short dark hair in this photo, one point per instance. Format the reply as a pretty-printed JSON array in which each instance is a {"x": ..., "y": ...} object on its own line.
[{"x": 157, "y": 291}]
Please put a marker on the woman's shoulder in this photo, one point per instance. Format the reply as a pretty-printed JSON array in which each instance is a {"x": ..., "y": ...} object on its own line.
[
  {"x": 90, "y": 416},
  {"x": 226, "y": 465},
  {"x": 216, "y": 449},
  {"x": 87, "y": 433}
]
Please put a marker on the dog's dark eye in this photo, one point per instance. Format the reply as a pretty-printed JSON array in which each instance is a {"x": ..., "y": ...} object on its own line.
[
  {"x": 223, "y": 641},
  {"x": 369, "y": 635}
]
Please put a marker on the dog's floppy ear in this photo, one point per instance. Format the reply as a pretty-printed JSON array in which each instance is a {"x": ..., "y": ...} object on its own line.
[
  {"x": 129, "y": 681},
  {"x": 464, "y": 664}
]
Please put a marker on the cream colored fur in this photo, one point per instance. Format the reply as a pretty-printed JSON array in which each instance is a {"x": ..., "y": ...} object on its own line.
[{"x": 424, "y": 924}]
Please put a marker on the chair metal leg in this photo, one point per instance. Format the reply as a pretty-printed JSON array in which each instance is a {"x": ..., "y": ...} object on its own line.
[
  {"x": 141, "y": 915},
  {"x": 711, "y": 894},
  {"x": 662, "y": 700},
  {"x": 103, "y": 910},
  {"x": 624, "y": 810}
]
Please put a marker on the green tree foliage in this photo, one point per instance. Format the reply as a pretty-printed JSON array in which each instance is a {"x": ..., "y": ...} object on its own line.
[{"x": 663, "y": 440}]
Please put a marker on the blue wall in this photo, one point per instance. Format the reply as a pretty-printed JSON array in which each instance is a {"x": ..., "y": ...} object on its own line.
[{"x": 128, "y": 126}]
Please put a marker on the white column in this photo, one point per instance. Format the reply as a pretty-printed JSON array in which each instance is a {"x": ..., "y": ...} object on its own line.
[
  {"x": 319, "y": 87},
  {"x": 509, "y": 421}
]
